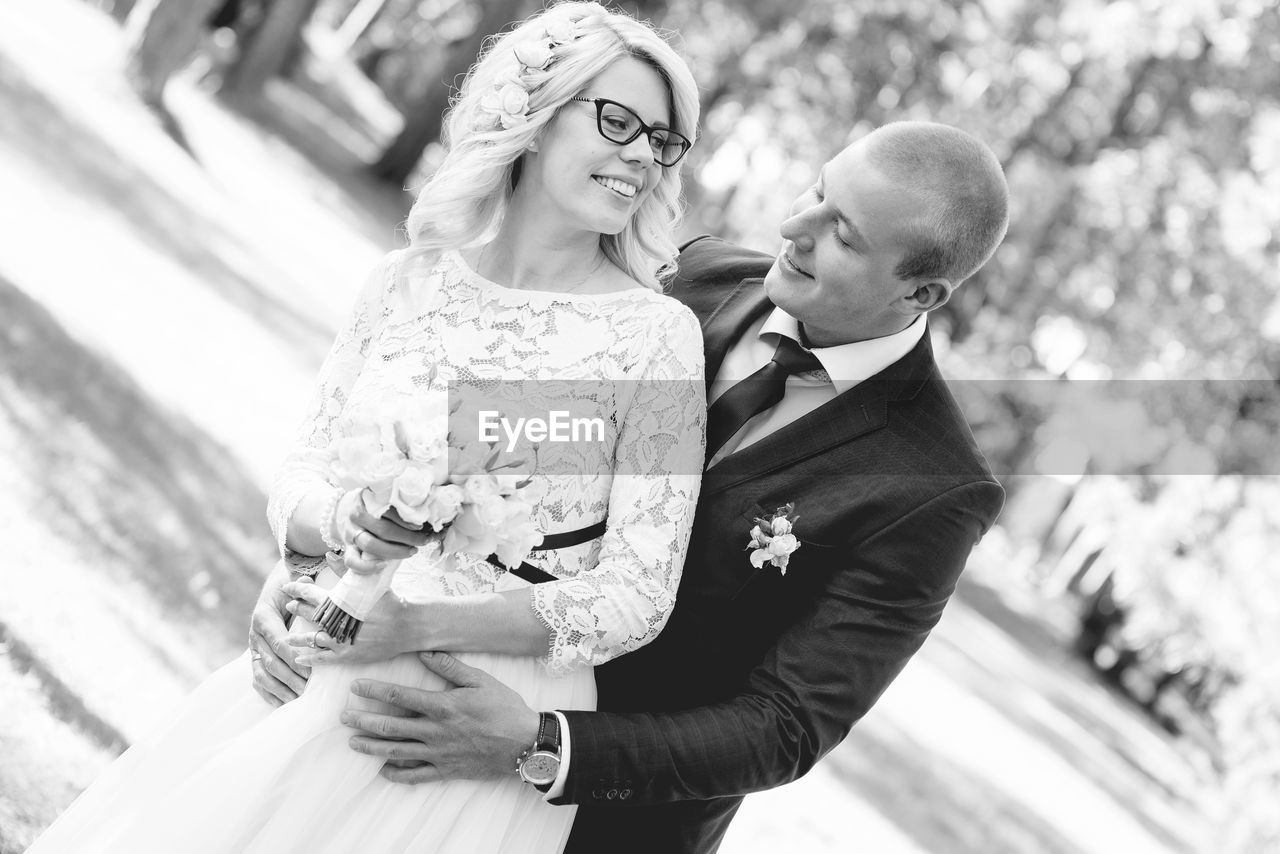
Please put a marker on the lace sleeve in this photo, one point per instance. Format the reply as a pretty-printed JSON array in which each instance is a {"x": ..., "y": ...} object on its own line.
[
  {"x": 305, "y": 466},
  {"x": 623, "y": 602}
]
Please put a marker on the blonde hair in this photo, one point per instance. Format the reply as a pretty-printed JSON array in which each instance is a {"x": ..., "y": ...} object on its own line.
[{"x": 464, "y": 202}]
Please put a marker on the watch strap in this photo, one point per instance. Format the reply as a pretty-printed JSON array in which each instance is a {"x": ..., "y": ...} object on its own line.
[
  {"x": 548, "y": 733},
  {"x": 548, "y": 741}
]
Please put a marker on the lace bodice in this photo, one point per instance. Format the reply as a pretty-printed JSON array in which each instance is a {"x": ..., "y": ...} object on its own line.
[{"x": 418, "y": 326}]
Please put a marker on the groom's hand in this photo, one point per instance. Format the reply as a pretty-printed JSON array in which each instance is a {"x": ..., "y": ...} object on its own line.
[
  {"x": 472, "y": 731},
  {"x": 277, "y": 677}
]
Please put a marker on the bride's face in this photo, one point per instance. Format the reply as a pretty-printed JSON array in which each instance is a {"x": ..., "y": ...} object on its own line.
[{"x": 583, "y": 182}]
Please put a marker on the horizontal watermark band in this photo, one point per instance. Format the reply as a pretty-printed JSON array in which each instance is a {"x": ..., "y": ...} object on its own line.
[{"x": 1061, "y": 428}]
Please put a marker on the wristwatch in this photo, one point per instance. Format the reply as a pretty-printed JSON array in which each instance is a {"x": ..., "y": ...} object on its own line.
[{"x": 540, "y": 764}]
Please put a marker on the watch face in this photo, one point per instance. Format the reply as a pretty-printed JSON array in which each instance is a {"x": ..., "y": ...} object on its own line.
[{"x": 540, "y": 768}]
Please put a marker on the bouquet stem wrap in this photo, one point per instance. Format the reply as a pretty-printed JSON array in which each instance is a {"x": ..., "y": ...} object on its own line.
[{"x": 351, "y": 600}]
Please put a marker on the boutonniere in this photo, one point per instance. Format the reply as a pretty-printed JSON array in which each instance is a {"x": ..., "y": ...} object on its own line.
[{"x": 772, "y": 540}]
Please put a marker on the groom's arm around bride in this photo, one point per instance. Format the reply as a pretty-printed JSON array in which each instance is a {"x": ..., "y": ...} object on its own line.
[{"x": 863, "y": 457}]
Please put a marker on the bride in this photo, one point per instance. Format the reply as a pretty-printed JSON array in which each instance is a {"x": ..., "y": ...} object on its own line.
[{"x": 536, "y": 254}]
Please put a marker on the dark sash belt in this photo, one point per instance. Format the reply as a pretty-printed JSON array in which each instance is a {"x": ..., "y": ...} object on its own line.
[{"x": 531, "y": 573}]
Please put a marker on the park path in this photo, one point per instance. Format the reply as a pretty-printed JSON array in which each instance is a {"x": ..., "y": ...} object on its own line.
[{"x": 166, "y": 295}]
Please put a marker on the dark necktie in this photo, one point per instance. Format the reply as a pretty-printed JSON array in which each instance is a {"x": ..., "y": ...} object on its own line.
[{"x": 758, "y": 392}]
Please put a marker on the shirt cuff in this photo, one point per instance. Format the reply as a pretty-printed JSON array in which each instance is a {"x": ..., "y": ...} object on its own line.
[{"x": 557, "y": 787}]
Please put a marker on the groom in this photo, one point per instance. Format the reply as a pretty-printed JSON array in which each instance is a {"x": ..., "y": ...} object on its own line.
[{"x": 825, "y": 397}]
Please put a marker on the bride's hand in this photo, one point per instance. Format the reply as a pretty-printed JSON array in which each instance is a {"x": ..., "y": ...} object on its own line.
[
  {"x": 384, "y": 633},
  {"x": 371, "y": 541}
]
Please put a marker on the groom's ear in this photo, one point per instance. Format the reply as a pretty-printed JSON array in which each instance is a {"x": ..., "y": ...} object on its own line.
[{"x": 927, "y": 295}]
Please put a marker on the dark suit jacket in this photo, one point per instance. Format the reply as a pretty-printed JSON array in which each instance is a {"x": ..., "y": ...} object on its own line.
[{"x": 758, "y": 675}]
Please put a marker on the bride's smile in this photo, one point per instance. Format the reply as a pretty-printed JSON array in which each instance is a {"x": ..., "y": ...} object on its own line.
[{"x": 578, "y": 180}]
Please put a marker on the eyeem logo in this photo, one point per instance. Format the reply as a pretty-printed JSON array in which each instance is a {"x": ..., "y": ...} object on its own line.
[{"x": 557, "y": 427}]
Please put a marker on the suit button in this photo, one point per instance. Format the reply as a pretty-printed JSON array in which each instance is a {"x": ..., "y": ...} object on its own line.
[
  {"x": 624, "y": 794},
  {"x": 613, "y": 793},
  {"x": 598, "y": 794}
]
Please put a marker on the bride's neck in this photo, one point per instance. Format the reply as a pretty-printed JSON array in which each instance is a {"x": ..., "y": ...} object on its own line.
[{"x": 525, "y": 257}]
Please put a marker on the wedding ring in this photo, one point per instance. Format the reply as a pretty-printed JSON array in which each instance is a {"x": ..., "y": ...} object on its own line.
[
  {"x": 256, "y": 656},
  {"x": 312, "y": 642}
]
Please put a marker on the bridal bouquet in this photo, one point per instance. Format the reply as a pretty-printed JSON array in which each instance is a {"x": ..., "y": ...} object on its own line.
[{"x": 470, "y": 492}]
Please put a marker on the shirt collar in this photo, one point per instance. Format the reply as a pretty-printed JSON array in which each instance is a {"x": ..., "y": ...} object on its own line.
[{"x": 850, "y": 364}]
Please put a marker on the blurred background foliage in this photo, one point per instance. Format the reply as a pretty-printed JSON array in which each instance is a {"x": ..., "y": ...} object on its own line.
[{"x": 1118, "y": 357}]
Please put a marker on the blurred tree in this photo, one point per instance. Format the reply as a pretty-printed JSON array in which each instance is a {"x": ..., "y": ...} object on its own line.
[
  {"x": 1189, "y": 622},
  {"x": 268, "y": 47},
  {"x": 161, "y": 36},
  {"x": 120, "y": 9},
  {"x": 1132, "y": 317},
  {"x": 446, "y": 64},
  {"x": 391, "y": 51},
  {"x": 357, "y": 23}
]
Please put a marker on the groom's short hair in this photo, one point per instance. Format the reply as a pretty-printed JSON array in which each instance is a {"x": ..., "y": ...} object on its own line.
[{"x": 967, "y": 193}]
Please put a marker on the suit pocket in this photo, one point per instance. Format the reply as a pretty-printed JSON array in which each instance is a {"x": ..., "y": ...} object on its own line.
[{"x": 725, "y": 561}]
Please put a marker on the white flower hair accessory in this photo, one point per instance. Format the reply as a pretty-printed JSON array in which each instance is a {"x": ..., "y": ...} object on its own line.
[
  {"x": 534, "y": 54},
  {"x": 562, "y": 31},
  {"x": 771, "y": 539},
  {"x": 508, "y": 104}
]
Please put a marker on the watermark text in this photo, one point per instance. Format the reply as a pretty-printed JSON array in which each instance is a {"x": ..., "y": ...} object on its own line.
[{"x": 558, "y": 426}]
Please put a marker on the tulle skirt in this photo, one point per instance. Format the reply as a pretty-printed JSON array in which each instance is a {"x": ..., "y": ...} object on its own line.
[{"x": 228, "y": 773}]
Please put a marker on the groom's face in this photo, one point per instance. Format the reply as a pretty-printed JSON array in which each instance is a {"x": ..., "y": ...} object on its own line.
[{"x": 844, "y": 238}]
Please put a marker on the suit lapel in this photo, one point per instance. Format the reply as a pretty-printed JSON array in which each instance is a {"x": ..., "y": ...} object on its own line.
[
  {"x": 849, "y": 416},
  {"x": 728, "y": 320}
]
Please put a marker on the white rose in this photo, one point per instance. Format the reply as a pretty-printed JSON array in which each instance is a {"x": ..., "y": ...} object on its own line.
[
  {"x": 439, "y": 468},
  {"x": 533, "y": 54},
  {"x": 517, "y": 537},
  {"x": 562, "y": 31},
  {"x": 519, "y": 513},
  {"x": 480, "y": 487},
  {"x": 514, "y": 99},
  {"x": 781, "y": 525},
  {"x": 351, "y": 455},
  {"x": 509, "y": 121},
  {"x": 491, "y": 511},
  {"x": 409, "y": 493},
  {"x": 377, "y": 501},
  {"x": 443, "y": 505},
  {"x": 381, "y": 469},
  {"x": 491, "y": 102},
  {"x": 783, "y": 545},
  {"x": 424, "y": 440},
  {"x": 468, "y": 533}
]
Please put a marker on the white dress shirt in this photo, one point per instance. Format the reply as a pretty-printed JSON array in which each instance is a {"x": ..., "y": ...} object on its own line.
[{"x": 844, "y": 366}]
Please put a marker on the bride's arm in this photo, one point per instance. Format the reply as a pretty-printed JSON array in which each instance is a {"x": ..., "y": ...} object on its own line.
[
  {"x": 301, "y": 494},
  {"x": 300, "y": 491}
]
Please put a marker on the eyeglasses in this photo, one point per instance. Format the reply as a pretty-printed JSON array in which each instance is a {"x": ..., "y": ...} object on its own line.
[{"x": 620, "y": 125}]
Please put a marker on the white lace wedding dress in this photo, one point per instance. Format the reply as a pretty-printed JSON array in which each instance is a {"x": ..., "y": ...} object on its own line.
[{"x": 227, "y": 773}]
